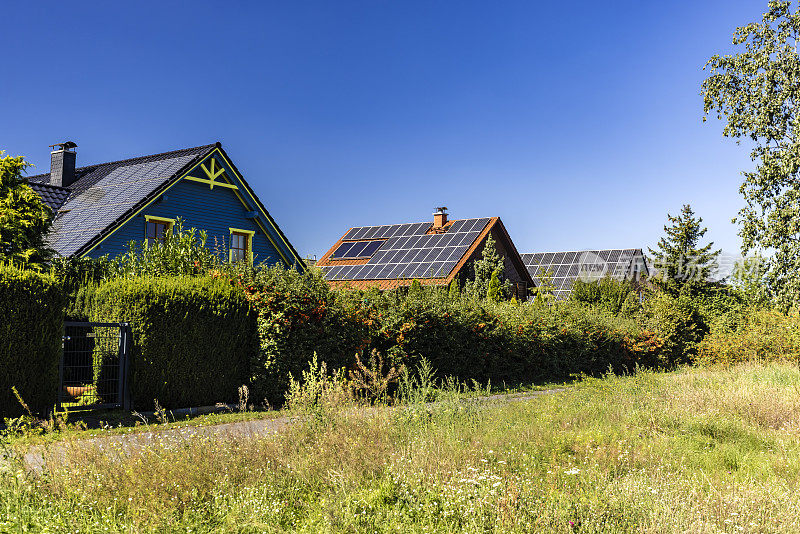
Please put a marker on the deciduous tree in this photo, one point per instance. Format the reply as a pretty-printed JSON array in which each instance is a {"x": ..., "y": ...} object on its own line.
[
  {"x": 24, "y": 218},
  {"x": 756, "y": 91}
]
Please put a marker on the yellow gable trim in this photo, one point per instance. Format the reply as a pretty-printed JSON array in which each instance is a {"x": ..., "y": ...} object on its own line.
[{"x": 235, "y": 191}]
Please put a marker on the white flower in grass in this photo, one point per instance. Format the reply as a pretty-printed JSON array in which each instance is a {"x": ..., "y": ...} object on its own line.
[{"x": 573, "y": 471}]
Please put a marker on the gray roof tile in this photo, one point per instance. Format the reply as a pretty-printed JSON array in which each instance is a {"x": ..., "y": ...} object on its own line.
[{"x": 104, "y": 193}]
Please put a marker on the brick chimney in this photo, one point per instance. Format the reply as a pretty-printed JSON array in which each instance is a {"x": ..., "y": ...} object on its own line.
[
  {"x": 440, "y": 218},
  {"x": 62, "y": 164}
]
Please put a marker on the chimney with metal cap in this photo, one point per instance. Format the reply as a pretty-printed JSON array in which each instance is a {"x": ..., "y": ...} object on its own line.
[
  {"x": 62, "y": 164},
  {"x": 440, "y": 217}
]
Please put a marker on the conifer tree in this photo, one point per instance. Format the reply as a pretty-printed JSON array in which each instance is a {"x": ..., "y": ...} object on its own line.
[
  {"x": 493, "y": 290},
  {"x": 489, "y": 262},
  {"x": 678, "y": 258},
  {"x": 454, "y": 291}
]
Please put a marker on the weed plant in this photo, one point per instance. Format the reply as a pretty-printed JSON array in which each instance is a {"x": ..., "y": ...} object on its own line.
[{"x": 697, "y": 450}]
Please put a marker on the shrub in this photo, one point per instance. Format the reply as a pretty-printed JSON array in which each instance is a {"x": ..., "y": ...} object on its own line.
[
  {"x": 193, "y": 337},
  {"x": 762, "y": 336},
  {"x": 298, "y": 316},
  {"x": 616, "y": 296},
  {"x": 678, "y": 321},
  {"x": 505, "y": 341},
  {"x": 31, "y": 307},
  {"x": 182, "y": 253}
]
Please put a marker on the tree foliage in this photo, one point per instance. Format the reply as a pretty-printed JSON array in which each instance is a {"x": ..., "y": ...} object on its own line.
[
  {"x": 24, "y": 218},
  {"x": 484, "y": 267},
  {"x": 756, "y": 91},
  {"x": 678, "y": 258}
]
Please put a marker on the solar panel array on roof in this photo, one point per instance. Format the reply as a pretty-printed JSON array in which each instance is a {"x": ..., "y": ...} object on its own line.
[
  {"x": 407, "y": 251},
  {"x": 564, "y": 268}
]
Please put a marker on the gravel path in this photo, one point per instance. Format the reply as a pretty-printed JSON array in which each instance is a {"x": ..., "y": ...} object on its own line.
[{"x": 172, "y": 437}]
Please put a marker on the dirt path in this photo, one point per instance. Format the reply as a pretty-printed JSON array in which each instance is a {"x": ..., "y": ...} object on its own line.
[{"x": 35, "y": 460}]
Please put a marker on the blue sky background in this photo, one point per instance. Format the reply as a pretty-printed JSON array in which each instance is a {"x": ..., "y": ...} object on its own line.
[{"x": 578, "y": 124}]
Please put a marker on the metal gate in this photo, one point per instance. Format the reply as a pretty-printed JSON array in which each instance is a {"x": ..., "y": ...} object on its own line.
[{"x": 93, "y": 372}]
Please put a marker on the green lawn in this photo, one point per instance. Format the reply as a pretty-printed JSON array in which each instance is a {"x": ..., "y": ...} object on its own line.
[{"x": 691, "y": 451}]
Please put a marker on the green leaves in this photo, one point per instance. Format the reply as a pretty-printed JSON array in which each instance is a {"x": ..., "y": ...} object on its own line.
[
  {"x": 182, "y": 253},
  {"x": 756, "y": 91},
  {"x": 24, "y": 218},
  {"x": 490, "y": 262}
]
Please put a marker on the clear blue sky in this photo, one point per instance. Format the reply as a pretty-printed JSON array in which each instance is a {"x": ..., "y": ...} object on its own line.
[{"x": 578, "y": 124}]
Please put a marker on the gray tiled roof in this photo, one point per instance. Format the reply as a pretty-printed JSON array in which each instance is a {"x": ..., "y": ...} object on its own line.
[
  {"x": 103, "y": 194},
  {"x": 52, "y": 195}
]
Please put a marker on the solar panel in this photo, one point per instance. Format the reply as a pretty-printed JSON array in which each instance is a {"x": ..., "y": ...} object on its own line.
[
  {"x": 566, "y": 267},
  {"x": 408, "y": 251},
  {"x": 341, "y": 251},
  {"x": 356, "y": 249}
]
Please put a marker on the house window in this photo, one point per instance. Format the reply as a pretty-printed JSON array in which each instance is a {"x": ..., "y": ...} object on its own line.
[
  {"x": 158, "y": 229},
  {"x": 238, "y": 246},
  {"x": 241, "y": 248}
]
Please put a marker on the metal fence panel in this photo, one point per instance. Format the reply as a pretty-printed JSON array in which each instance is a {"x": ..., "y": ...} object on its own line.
[{"x": 94, "y": 364}]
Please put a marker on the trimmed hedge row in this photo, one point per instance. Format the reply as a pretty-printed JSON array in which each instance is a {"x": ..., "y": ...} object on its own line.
[
  {"x": 197, "y": 339},
  {"x": 31, "y": 323},
  {"x": 193, "y": 337},
  {"x": 503, "y": 342}
]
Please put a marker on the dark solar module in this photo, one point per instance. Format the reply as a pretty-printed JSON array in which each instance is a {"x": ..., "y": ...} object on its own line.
[
  {"x": 371, "y": 248},
  {"x": 342, "y": 249},
  {"x": 408, "y": 251},
  {"x": 588, "y": 265}
]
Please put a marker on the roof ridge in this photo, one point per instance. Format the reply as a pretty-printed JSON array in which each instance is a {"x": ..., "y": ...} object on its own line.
[
  {"x": 133, "y": 158},
  {"x": 582, "y": 250},
  {"x": 416, "y": 222}
]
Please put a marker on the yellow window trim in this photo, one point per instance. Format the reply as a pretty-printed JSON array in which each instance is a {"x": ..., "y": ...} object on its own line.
[
  {"x": 170, "y": 222},
  {"x": 250, "y": 234},
  {"x": 149, "y": 218}
]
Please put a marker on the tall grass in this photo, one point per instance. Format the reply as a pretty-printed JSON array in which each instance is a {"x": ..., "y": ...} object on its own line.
[{"x": 698, "y": 450}]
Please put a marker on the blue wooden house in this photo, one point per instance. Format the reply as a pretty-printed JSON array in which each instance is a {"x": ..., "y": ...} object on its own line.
[{"x": 100, "y": 208}]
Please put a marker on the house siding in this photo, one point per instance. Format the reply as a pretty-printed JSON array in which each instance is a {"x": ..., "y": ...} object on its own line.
[{"x": 198, "y": 206}]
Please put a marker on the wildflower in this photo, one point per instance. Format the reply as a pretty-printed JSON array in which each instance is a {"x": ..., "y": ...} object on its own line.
[{"x": 573, "y": 471}]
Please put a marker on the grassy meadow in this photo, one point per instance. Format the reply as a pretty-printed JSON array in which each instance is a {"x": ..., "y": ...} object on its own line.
[{"x": 696, "y": 450}]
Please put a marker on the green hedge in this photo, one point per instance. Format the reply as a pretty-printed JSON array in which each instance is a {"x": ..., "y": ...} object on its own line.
[
  {"x": 31, "y": 323},
  {"x": 193, "y": 337},
  {"x": 298, "y": 315}
]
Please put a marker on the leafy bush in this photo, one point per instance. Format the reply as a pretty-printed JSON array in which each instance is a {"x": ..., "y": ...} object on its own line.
[
  {"x": 616, "y": 296},
  {"x": 182, "y": 253},
  {"x": 298, "y": 316},
  {"x": 193, "y": 337},
  {"x": 679, "y": 323},
  {"x": 32, "y": 308},
  {"x": 763, "y": 335}
]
